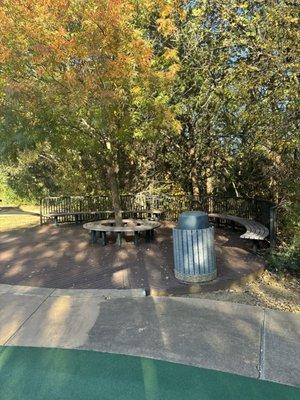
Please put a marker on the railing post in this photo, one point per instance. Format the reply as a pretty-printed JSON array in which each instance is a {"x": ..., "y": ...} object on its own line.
[{"x": 41, "y": 211}]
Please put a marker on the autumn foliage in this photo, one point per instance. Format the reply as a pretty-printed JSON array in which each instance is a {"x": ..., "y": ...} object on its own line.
[{"x": 201, "y": 96}]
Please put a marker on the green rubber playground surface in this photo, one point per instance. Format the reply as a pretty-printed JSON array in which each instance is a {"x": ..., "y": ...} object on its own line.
[{"x": 50, "y": 374}]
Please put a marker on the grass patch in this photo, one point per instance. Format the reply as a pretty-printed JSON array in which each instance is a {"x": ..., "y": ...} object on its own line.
[
  {"x": 30, "y": 208},
  {"x": 18, "y": 217},
  {"x": 8, "y": 223}
]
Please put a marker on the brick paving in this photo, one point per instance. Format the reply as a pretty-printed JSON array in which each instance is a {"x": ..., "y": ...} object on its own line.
[{"x": 63, "y": 257}]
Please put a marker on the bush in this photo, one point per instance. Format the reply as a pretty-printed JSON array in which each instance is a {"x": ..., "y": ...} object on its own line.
[
  {"x": 7, "y": 194},
  {"x": 287, "y": 257}
]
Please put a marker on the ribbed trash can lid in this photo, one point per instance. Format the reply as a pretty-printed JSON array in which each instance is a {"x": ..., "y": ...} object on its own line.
[{"x": 193, "y": 220}]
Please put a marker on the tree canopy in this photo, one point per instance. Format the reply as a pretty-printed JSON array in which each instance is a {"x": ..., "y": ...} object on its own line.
[{"x": 198, "y": 97}]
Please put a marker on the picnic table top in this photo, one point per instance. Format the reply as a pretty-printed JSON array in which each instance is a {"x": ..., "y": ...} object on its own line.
[{"x": 130, "y": 225}]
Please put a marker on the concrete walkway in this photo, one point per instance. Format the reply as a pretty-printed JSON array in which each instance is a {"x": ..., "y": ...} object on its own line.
[{"x": 230, "y": 337}]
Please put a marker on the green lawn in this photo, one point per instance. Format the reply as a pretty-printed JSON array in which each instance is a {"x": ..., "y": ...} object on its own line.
[
  {"x": 19, "y": 217},
  {"x": 17, "y": 222},
  {"x": 52, "y": 374}
]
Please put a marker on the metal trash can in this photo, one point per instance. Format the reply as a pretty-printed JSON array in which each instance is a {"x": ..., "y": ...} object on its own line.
[{"x": 194, "y": 252}]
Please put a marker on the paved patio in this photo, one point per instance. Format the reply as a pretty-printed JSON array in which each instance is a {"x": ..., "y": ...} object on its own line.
[
  {"x": 63, "y": 257},
  {"x": 236, "y": 338}
]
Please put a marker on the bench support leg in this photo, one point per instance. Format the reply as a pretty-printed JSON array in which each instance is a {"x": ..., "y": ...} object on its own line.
[
  {"x": 255, "y": 246},
  {"x": 104, "y": 240},
  {"x": 148, "y": 236},
  {"x": 119, "y": 239},
  {"x": 136, "y": 238},
  {"x": 94, "y": 236}
]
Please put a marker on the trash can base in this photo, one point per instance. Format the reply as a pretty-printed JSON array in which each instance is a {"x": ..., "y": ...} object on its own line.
[{"x": 196, "y": 278}]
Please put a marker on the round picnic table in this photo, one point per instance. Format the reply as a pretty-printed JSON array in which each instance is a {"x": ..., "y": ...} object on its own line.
[{"x": 135, "y": 226}]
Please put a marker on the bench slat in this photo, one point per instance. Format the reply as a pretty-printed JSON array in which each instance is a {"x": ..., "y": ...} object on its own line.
[{"x": 254, "y": 230}]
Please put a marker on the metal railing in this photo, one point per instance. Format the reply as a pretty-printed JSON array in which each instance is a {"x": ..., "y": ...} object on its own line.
[{"x": 262, "y": 211}]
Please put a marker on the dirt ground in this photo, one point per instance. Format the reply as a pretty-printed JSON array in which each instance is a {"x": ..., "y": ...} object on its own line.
[{"x": 269, "y": 291}]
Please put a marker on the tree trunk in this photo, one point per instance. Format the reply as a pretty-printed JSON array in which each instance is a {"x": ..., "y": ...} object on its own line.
[
  {"x": 194, "y": 171},
  {"x": 115, "y": 194},
  {"x": 195, "y": 181},
  {"x": 209, "y": 180},
  {"x": 112, "y": 174}
]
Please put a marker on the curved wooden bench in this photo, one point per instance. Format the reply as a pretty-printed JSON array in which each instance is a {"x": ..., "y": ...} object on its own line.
[
  {"x": 76, "y": 214},
  {"x": 150, "y": 214},
  {"x": 255, "y": 231}
]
